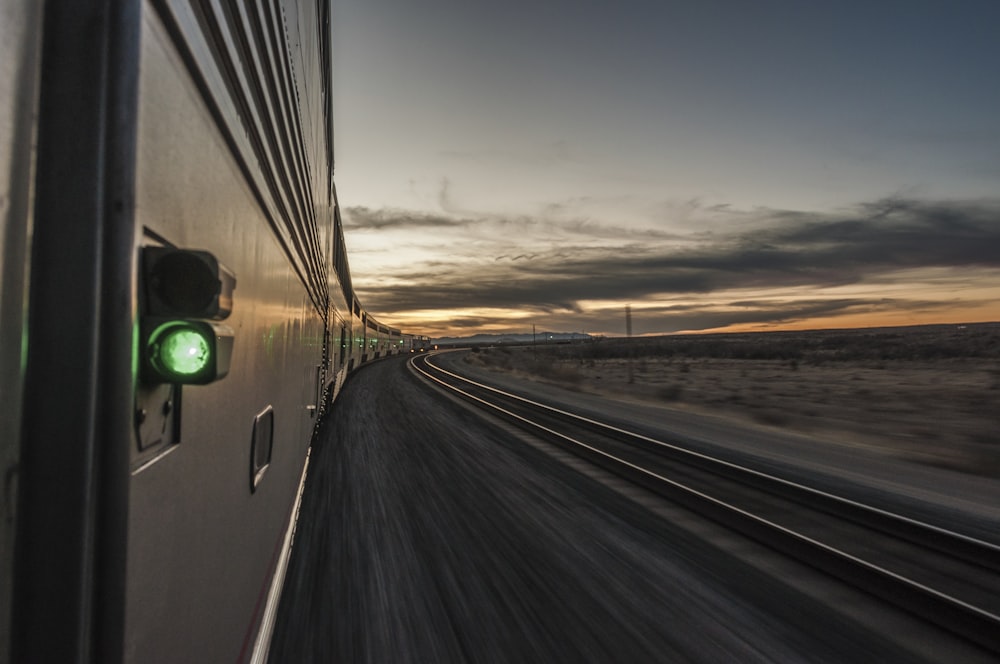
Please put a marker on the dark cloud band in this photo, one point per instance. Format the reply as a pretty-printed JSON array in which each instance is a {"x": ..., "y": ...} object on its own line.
[{"x": 784, "y": 249}]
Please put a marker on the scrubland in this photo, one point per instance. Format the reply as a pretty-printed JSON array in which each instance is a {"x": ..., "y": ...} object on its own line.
[{"x": 929, "y": 394}]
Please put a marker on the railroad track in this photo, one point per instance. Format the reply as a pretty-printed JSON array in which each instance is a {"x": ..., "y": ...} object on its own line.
[{"x": 947, "y": 578}]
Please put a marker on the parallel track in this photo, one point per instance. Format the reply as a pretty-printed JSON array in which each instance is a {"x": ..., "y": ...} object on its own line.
[{"x": 947, "y": 578}]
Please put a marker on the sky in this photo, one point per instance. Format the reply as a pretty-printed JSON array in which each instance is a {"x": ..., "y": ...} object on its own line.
[{"x": 715, "y": 164}]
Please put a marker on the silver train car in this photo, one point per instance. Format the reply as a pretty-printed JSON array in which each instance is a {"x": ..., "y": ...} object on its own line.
[{"x": 177, "y": 309}]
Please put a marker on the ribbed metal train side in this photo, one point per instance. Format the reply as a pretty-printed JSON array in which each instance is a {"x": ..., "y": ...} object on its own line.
[
  {"x": 232, "y": 158},
  {"x": 151, "y": 517}
]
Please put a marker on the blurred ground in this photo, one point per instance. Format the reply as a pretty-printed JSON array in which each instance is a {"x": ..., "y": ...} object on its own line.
[
  {"x": 929, "y": 394},
  {"x": 427, "y": 534}
]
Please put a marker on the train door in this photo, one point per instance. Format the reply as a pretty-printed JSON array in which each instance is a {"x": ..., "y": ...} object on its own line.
[
  {"x": 71, "y": 479},
  {"x": 20, "y": 45}
]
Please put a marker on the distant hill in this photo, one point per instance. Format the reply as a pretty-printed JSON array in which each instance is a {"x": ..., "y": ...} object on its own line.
[{"x": 497, "y": 339}]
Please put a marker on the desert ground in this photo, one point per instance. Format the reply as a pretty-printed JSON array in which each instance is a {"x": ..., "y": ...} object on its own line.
[{"x": 929, "y": 394}]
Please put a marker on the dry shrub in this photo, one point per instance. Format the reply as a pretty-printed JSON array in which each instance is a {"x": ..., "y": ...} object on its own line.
[
  {"x": 995, "y": 374},
  {"x": 670, "y": 392},
  {"x": 770, "y": 417},
  {"x": 556, "y": 371}
]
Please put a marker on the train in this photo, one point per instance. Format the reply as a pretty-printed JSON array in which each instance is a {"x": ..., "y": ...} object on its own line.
[{"x": 177, "y": 314}]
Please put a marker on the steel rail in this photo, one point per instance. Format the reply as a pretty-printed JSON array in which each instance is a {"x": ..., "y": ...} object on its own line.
[
  {"x": 974, "y": 623},
  {"x": 959, "y": 545}
]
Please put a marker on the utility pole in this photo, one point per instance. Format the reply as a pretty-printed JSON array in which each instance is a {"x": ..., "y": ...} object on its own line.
[
  {"x": 628, "y": 333},
  {"x": 534, "y": 354}
]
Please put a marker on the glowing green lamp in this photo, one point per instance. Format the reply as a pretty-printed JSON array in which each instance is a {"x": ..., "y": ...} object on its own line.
[
  {"x": 188, "y": 352},
  {"x": 182, "y": 350}
]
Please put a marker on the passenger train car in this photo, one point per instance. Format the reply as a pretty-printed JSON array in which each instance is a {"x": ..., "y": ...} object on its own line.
[{"x": 177, "y": 310}]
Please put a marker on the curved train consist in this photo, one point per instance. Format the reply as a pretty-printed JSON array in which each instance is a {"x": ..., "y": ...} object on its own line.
[{"x": 177, "y": 309}]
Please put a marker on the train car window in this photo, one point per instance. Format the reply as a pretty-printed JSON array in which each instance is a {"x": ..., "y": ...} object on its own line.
[
  {"x": 343, "y": 344},
  {"x": 261, "y": 445}
]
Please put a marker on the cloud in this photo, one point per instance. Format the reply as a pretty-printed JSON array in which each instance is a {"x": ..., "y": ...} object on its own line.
[
  {"x": 566, "y": 263},
  {"x": 366, "y": 219},
  {"x": 667, "y": 319}
]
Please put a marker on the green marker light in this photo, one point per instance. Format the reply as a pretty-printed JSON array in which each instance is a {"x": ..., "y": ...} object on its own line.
[
  {"x": 184, "y": 351},
  {"x": 180, "y": 351}
]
